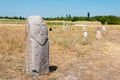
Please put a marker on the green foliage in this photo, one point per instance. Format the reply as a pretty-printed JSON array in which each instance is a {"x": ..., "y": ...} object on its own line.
[
  {"x": 107, "y": 19},
  {"x": 110, "y": 19},
  {"x": 88, "y": 16},
  {"x": 14, "y": 17}
]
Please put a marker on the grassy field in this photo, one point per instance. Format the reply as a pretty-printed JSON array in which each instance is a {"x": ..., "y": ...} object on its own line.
[{"x": 68, "y": 49}]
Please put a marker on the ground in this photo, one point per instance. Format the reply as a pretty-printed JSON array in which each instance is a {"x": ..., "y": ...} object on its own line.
[{"x": 71, "y": 56}]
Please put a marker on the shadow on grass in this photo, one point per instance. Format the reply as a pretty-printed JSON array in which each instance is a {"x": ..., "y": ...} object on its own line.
[{"x": 53, "y": 68}]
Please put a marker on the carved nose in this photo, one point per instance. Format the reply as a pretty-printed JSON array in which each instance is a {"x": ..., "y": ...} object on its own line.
[{"x": 42, "y": 34}]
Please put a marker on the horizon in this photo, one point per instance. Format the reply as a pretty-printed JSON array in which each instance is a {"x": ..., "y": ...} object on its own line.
[
  {"x": 57, "y": 16},
  {"x": 55, "y": 8}
]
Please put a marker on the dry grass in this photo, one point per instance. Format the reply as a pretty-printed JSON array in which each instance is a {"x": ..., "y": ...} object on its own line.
[{"x": 67, "y": 48}]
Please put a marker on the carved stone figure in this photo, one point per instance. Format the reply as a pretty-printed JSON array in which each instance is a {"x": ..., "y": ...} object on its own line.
[{"x": 37, "y": 46}]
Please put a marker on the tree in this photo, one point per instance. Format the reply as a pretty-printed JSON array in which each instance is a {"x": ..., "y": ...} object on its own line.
[{"x": 88, "y": 16}]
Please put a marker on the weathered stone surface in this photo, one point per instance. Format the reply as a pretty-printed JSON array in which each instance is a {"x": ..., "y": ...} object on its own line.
[
  {"x": 104, "y": 28},
  {"x": 37, "y": 46},
  {"x": 98, "y": 34},
  {"x": 85, "y": 34}
]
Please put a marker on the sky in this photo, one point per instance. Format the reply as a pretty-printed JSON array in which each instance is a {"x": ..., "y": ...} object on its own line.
[{"x": 54, "y": 8}]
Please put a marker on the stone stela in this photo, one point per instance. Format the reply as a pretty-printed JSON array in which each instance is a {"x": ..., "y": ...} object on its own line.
[
  {"x": 37, "y": 46},
  {"x": 98, "y": 33}
]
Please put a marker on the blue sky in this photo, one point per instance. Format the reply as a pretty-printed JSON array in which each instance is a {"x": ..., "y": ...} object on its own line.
[{"x": 54, "y": 8}]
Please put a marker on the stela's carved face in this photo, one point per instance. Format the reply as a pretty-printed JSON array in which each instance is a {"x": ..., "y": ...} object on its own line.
[{"x": 38, "y": 29}]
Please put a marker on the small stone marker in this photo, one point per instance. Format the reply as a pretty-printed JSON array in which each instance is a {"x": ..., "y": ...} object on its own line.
[
  {"x": 65, "y": 25},
  {"x": 85, "y": 34},
  {"x": 86, "y": 40},
  {"x": 103, "y": 28},
  {"x": 37, "y": 46},
  {"x": 98, "y": 33}
]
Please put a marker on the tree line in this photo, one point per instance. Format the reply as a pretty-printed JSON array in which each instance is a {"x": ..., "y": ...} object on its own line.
[
  {"x": 110, "y": 19},
  {"x": 14, "y": 17}
]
